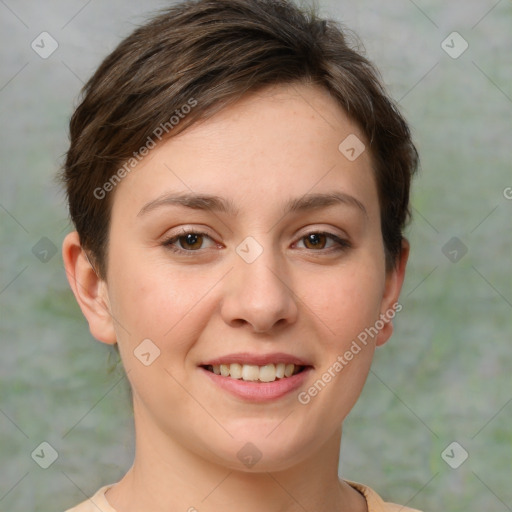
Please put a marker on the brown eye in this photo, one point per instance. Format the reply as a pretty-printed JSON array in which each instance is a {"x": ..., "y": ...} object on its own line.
[
  {"x": 186, "y": 243},
  {"x": 315, "y": 241},
  {"x": 191, "y": 241}
]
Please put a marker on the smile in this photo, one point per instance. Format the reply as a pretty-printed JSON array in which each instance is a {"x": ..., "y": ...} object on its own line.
[{"x": 253, "y": 373}]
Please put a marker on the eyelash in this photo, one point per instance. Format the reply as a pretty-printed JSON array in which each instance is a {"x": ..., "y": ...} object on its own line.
[{"x": 343, "y": 245}]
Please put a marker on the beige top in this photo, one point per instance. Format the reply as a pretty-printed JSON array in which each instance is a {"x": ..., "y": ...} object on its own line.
[{"x": 99, "y": 503}]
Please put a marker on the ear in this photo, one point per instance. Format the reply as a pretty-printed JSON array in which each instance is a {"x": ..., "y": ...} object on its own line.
[
  {"x": 390, "y": 305},
  {"x": 89, "y": 289}
]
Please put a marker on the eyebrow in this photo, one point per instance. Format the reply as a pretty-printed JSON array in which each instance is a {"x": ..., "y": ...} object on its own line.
[{"x": 223, "y": 205}]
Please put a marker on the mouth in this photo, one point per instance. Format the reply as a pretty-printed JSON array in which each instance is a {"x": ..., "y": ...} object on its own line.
[
  {"x": 254, "y": 373},
  {"x": 257, "y": 378}
]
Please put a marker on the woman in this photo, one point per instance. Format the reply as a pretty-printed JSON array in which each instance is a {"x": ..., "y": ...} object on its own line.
[{"x": 239, "y": 182}]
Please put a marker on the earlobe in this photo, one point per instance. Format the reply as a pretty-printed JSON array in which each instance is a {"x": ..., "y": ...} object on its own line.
[
  {"x": 390, "y": 305},
  {"x": 89, "y": 289}
]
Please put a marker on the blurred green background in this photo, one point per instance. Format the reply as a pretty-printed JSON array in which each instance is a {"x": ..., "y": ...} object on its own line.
[{"x": 445, "y": 376}]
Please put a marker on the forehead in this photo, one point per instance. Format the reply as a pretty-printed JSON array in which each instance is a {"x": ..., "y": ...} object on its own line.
[{"x": 274, "y": 145}]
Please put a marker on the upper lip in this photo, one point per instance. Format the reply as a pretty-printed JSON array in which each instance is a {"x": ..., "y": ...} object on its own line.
[{"x": 257, "y": 359}]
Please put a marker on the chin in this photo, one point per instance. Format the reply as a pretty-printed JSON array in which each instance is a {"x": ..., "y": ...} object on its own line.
[{"x": 254, "y": 450}]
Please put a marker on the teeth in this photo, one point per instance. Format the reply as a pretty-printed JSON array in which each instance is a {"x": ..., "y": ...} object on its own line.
[
  {"x": 268, "y": 373},
  {"x": 250, "y": 372},
  {"x": 288, "y": 370},
  {"x": 235, "y": 371}
]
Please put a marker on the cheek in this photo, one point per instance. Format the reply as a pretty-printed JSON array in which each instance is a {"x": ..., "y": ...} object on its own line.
[
  {"x": 349, "y": 306},
  {"x": 152, "y": 300},
  {"x": 346, "y": 302}
]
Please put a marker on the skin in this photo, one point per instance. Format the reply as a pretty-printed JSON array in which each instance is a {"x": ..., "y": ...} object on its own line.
[{"x": 305, "y": 300}]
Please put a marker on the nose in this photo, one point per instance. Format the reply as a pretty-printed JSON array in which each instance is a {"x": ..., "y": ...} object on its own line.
[{"x": 259, "y": 294}]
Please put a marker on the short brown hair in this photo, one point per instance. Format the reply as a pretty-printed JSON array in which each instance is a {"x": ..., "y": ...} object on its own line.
[{"x": 212, "y": 52}]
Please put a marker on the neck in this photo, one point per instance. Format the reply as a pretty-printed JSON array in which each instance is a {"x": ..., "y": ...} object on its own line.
[{"x": 167, "y": 476}]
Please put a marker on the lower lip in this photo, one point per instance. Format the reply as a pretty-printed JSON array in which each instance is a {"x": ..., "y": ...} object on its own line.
[{"x": 259, "y": 391}]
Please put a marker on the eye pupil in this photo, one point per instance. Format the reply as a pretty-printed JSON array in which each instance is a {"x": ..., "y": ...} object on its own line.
[
  {"x": 315, "y": 239},
  {"x": 191, "y": 238}
]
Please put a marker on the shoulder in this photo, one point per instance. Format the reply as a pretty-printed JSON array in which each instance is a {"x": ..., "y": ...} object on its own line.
[
  {"x": 95, "y": 503},
  {"x": 375, "y": 502}
]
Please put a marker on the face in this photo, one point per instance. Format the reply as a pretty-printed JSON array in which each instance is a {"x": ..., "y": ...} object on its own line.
[{"x": 259, "y": 280}]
